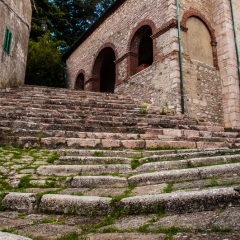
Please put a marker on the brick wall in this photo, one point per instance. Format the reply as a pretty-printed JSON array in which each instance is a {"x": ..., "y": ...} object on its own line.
[{"x": 16, "y": 16}]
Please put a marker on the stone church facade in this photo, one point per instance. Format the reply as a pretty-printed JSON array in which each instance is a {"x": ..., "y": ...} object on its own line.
[
  {"x": 15, "y": 17},
  {"x": 133, "y": 49}
]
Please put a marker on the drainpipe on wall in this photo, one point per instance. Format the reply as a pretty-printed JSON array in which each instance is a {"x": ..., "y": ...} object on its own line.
[
  {"x": 180, "y": 59},
  {"x": 236, "y": 40}
]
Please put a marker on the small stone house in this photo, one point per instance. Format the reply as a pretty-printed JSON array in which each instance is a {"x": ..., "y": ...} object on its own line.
[
  {"x": 183, "y": 58},
  {"x": 15, "y": 18}
]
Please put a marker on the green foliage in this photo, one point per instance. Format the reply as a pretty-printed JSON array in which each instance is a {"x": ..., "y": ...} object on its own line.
[
  {"x": 67, "y": 20},
  {"x": 169, "y": 188},
  {"x": 220, "y": 230},
  {"x": 70, "y": 236},
  {"x": 135, "y": 163},
  {"x": 53, "y": 157},
  {"x": 44, "y": 65},
  {"x": 25, "y": 182}
]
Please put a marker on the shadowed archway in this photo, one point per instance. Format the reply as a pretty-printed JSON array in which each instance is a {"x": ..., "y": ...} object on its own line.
[{"x": 105, "y": 70}]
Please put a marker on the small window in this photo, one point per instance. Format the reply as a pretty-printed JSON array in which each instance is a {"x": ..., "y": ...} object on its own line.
[{"x": 7, "y": 41}]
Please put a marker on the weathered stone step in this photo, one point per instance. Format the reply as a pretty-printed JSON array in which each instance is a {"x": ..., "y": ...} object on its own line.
[
  {"x": 173, "y": 154},
  {"x": 91, "y": 160},
  {"x": 180, "y": 202},
  {"x": 185, "y": 174},
  {"x": 192, "y": 162},
  {"x": 56, "y": 203},
  {"x": 97, "y": 181},
  {"x": 187, "y": 154},
  {"x": 62, "y": 142},
  {"x": 68, "y": 170},
  {"x": 176, "y": 202},
  {"x": 19, "y": 127}
]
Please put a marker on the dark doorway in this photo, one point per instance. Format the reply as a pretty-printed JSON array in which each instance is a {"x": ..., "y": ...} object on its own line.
[
  {"x": 146, "y": 49},
  {"x": 105, "y": 70},
  {"x": 108, "y": 73},
  {"x": 79, "y": 85}
]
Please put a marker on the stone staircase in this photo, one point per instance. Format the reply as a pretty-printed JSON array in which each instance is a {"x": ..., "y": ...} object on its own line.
[{"x": 108, "y": 157}]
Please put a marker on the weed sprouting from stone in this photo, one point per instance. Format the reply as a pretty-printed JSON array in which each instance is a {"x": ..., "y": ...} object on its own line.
[{"x": 52, "y": 158}]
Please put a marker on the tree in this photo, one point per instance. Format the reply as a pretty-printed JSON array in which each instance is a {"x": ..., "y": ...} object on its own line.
[
  {"x": 44, "y": 64},
  {"x": 66, "y": 22}
]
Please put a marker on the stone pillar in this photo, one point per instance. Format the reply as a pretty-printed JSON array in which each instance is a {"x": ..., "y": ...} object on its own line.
[{"x": 227, "y": 62}]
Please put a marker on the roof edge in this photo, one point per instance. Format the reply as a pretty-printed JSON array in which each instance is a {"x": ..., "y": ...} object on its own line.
[{"x": 93, "y": 27}]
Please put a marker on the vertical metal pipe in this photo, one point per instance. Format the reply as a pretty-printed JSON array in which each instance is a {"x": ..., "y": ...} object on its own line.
[
  {"x": 180, "y": 58},
  {"x": 235, "y": 38}
]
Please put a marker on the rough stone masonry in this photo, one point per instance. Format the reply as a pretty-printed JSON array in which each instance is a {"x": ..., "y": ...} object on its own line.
[{"x": 15, "y": 27}]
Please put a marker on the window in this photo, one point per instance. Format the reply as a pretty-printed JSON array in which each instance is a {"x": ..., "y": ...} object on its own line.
[{"x": 7, "y": 41}]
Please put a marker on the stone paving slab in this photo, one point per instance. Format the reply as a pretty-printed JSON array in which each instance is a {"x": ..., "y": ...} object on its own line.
[
  {"x": 199, "y": 220},
  {"x": 206, "y": 236},
  {"x": 9, "y": 236},
  {"x": 149, "y": 190},
  {"x": 230, "y": 218},
  {"x": 126, "y": 236},
  {"x": 48, "y": 230}
]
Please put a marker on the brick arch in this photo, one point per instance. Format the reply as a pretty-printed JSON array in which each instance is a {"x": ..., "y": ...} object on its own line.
[
  {"x": 195, "y": 13},
  {"x": 145, "y": 22},
  {"x": 134, "y": 42},
  {"x": 102, "y": 79},
  {"x": 97, "y": 59},
  {"x": 76, "y": 84}
]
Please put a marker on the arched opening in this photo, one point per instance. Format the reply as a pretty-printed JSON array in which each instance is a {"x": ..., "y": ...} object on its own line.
[
  {"x": 199, "y": 41},
  {"x": 141, "y": 50},
  {"x": 105, "y": 70},
  {"x": 79, "y": 85}
]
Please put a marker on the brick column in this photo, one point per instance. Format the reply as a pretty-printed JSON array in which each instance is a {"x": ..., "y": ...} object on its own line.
[{"x": 227, "y": 63}]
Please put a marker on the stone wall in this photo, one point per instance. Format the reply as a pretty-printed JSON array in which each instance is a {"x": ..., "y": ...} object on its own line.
[{"x": 16, "y": 16}]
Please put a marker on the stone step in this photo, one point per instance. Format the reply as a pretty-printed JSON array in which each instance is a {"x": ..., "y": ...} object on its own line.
[
  {"x": 97, "y": 181},
  {"x": 187, "y": 154},
  {"x": 69, "y": 170},
  {"x": 181, "y": 202},
  {"x": 190, "y": 163},
  {"x": 99, "y": 152},
  {"x": 176, "y": 202},
  {"x": 71, "y": 160},
  {"x": 62, "y": 142},
  {"x": 170, "y": 154},
  {"x": 185, "y": 174},
  {"x": 56, "y": 203}
]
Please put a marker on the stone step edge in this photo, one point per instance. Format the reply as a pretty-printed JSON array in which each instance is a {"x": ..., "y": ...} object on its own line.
[
  {"x": 177, "y": 202},
  {"x": 188, "y": 163},
  {"x": 196, "y": 173},
  {"x": 146, "y": 153},
  {"x": 113, "y": 143}
]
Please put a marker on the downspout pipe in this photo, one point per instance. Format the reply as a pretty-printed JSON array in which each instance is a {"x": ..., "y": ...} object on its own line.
[
  {"x": 180, "y": 58},
  {"x": 235, "y": 39}
]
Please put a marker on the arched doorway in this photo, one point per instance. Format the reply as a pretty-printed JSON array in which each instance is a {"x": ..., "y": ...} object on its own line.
[
  {"x": 105, "y": 70},
  {"x": 141, "y": 49},
  {"x": 79, "y": 85}
]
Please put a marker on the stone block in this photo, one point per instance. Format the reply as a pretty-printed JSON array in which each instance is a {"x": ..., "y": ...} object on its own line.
[
  {"x": 21, "y": 202},
  {"x": 68, "y": 204}
]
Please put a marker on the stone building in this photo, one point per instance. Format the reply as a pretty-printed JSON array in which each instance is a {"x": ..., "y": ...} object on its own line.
[
  {"x": 133, "y": 49},
  {"x": 15, "y": 27}
]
